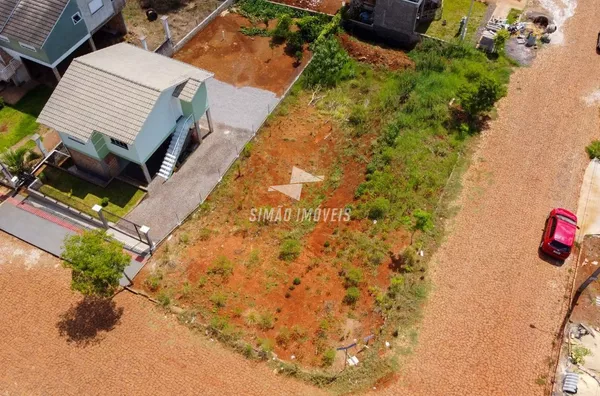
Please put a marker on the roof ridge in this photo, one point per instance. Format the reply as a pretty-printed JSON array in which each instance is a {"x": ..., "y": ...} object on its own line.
[{"x": 78, "y": 60}]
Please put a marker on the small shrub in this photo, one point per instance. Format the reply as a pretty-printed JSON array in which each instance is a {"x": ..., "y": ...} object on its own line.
[
  {"x": 221, "y": 266},
  {"x": 219, "y": 299},
  {"x": 379, "y": 208},
  {"x": 593, "y": 149},
  {"x": 288, "y": 294},
  {"x": 104, "y": 202},
  {"x": 201, "y": 282},
  {"x": 253, "y": 258},
  {"x": 152, "y": 283},
  {"x": 328, "y": 357},
  {"x": 252, "y": 318},
  {"x": 500, "y": 40},
  {"x": 290, "y": 250},
  {"x": 204, "y": 234},
  {"x": 184, "y": 238},
  {"x": 309, "y": 27},
  {"x": 266, "y": 321},
  {"x": 478, "y": 98},
  {"x": 330, "y": 64},
  {"x": 164, "y": 299},
  {"x": 298, "y": 333},
  {"x": 282, "y": 30},
  {"x": 254, "y": 31},
  {"x": 248, "y": 351},
  {"x": 283, "y": 337},
  {"x": 297, "y": 281},
  {"x": 352, "y": 295},
  {"x": 247, "y": 151},
  {"x": 186, "y": 289},
  {"x": 267, "y": 345},
  {"x": 578, "y": 354},
  {"x": 353, "y": 277},
  {"x": 295, "y": 46}
]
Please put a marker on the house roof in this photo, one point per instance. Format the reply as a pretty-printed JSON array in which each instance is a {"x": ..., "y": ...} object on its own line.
[
  {"x": 30, "y": 21},
  {"x": 113, "y": 91}
]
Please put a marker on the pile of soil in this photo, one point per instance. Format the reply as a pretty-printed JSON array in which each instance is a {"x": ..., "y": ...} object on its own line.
[{"x": 392, "y": 59}]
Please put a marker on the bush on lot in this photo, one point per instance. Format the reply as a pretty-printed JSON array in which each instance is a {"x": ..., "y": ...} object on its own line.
[
  {"x": 310, "y": 27},
  {"x": 330, "y": 64},
  {"x": 328, "y": 357},
  {"x": 352, "y": 295},
  {"x": 282, "y": 30},
  {"x": 353, "y": 277},
  {"x": 219, "y": 299},
  {"x": 104, "y": 202},
  {"x": 290, "y": 250},
  {"x": 379, "y": 208},
  {"x": 221, "y": 266},
  {"x": 593, "y": 149},
  {"x": 295, "y": 46},
  {"x": 266, "y": 321},
  {"x": 480, "y": 97}
]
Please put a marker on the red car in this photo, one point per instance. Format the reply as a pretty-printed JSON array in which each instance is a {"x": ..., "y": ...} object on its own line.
[{"x": 559, "y": 234}]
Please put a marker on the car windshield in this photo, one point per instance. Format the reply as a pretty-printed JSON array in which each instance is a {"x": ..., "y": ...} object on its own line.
[
  {"x": 560, "y": 246},
  {"x": 567, "y": 219}
]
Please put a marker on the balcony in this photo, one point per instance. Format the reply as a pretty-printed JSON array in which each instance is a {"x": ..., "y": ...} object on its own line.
[{"x": 7, "y": 72}]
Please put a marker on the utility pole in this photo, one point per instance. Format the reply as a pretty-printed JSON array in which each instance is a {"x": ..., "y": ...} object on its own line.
[{"x": 464, "y": 31}]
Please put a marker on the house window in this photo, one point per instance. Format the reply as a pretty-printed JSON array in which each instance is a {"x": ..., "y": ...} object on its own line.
[
  {"x": 76, "y": 18},
  {"x": 4, "y": 38},
  {"x": 27, "y": 46},
  {"x": 119, "y": 143},
  {"x": 75, "y": 140},
  {"x": 95, "y": 5}
]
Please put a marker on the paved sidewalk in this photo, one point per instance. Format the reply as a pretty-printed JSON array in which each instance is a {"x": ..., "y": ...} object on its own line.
[
  {"x": 48, "y": 232},
  {"x": 588, "y": 210}
]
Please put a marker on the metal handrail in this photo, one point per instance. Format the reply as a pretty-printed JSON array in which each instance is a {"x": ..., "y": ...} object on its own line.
[{"x": 183, "y": 124}]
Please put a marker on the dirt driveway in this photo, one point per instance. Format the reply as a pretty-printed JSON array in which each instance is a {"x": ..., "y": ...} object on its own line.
[
  {"x": 489, "y": 324},
  {"x": 146, "y": 352}
]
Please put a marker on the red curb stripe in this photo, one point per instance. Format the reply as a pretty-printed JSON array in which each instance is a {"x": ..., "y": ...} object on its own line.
[{"x": 44, "y": 215}]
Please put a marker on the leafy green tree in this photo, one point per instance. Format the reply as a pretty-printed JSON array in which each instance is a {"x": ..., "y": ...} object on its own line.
[
  {"x": 593, "y": 149},
  {"x": 282, "y": 30},
  {"x": 97, "y": 262},
  {"x": 500, "y": 40},
  {"x": 480, "y": 97},
  {"x": 19, "y": 161},
  {"x": 330, "y": 64},
  {"x": 423, "y": 222}
]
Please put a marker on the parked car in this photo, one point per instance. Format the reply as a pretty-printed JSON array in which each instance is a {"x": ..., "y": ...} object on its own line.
[{"x": 559, "y": 234}]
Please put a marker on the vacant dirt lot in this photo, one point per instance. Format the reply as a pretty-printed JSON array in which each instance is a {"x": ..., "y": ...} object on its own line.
[
  {"x": 239, "y": 59},
  {"x": 490, "y": 286},
  {"x": 49, "y": 344}
]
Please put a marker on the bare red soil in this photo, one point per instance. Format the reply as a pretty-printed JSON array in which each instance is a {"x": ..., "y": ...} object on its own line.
[
  {"x": 239, "y": 59},
  {"x": 306, "y": 140},
  {"x": 376, "y": 55}
]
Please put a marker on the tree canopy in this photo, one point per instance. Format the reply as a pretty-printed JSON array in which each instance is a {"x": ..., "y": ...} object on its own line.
[{"x": 97, "y": 262}]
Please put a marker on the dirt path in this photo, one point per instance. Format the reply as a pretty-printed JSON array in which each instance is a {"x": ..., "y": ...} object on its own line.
[
  {"x": 145, "y": 353},
  {"x": 490, "y": 286}
]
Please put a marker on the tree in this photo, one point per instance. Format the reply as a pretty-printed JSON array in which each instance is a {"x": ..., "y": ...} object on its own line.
[
  {"x": 480, "y": 97},
  {"x": 282, "y": 30},
  {"x": 500, "y": 40},
  {"x": 423, "y": 222},
  {"x": 19, "y": 161},
  {"x": 330, "y": 64},
  {"x": 97, "y": 262}
]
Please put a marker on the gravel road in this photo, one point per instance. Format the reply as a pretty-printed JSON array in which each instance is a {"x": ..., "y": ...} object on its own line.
[
  {"x": 490, "y": 286},
  {"x": 146, "y": 353}
]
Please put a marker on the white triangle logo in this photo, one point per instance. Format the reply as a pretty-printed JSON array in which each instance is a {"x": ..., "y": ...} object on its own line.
[
  {"x": 294, "y": 189},
  {"x": 300, "y": 176},
  {"x": 291, "y": 190}
]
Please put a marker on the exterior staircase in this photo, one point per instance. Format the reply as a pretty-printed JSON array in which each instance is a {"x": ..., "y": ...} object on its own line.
[{"x": 182, "y": 129}]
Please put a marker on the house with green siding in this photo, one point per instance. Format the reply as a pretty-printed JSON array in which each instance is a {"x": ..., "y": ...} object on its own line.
[
  {"x": 125, "y": 109},
  {"x": 39, "y": 35}
]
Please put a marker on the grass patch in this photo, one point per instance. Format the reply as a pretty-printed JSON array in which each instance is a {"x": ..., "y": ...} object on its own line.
[
  {"x": 122, "y": 197},
  {"x": 513, "y": 16},
  {"x": 452, "y": 13},
  {"x": 19, "y": 121}
]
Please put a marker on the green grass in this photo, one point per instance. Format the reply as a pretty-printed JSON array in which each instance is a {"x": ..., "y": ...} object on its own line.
[
  {"x": 19, "y": 121},
  {"x": 83, "y": 195},
  {"x": 513, "y": 16},
  {"x": 452, "y": 13}
]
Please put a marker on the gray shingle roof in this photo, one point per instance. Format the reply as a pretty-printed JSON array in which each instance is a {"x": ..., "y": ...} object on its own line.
[
  {"x": 187, "y": 90},
  {"x": 96, "y": 95},
  {"x": 30, "y": 21}
]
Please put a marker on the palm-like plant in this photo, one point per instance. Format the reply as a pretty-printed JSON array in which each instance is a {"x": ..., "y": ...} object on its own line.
[{"x": 19, "y": 161}]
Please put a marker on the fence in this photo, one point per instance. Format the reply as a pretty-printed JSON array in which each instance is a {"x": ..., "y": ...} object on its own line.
[
  {"x": 225, "y": 5},
  {"x": 125, "y": 226}
]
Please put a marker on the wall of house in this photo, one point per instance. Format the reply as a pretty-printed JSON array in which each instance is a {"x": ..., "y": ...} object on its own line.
[
  {"x": 65, "y": 34},
  {"x": 130, "y": 153},
  {"x": 86, "y": 148},
  {"x": 15, "y": 50},
  {"x": 99, "y": 17},
  {"x": 159, "y": 124},
  {"x": 396, "y": 15},
  {"x": 198, "y": 105}
]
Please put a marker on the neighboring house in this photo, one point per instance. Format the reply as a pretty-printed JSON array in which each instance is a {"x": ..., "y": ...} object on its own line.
[
  {"x": 46, "y": 32},
  {"x": 124, "y": 108},
  {"x": 397, "y": 20}
]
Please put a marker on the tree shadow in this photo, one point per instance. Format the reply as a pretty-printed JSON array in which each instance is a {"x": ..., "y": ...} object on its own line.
[{"x": 86, "y": 319}]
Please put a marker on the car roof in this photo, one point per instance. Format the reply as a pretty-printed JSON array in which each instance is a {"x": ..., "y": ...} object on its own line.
[{"x": 565, "y": 232}]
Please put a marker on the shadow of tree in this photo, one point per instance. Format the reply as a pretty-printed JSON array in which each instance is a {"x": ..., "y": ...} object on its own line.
[{"x": 84, "y": 320}]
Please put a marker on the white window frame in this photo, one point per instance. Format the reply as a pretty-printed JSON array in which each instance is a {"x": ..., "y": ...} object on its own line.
[
  {"x": 73, "y": 18},
  {"x": 95, "y": 5},
  {"x": 27, "y": 46},
  {"x": 4, "y": 38}
]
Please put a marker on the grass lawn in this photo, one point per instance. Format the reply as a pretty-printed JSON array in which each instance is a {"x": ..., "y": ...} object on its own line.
[
  {"x": 83, "y": 195},
  {"x": 452, "y": 13},
  {"x": 18, "y": 122},
  {"x": 513, "y": 16}
]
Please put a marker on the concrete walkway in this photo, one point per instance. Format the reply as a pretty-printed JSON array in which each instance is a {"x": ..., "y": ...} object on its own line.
[
  {"x": 588, "y": 209},
  {"x": 237, "y": 113},
  {"x": 47, "y": 232}
]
